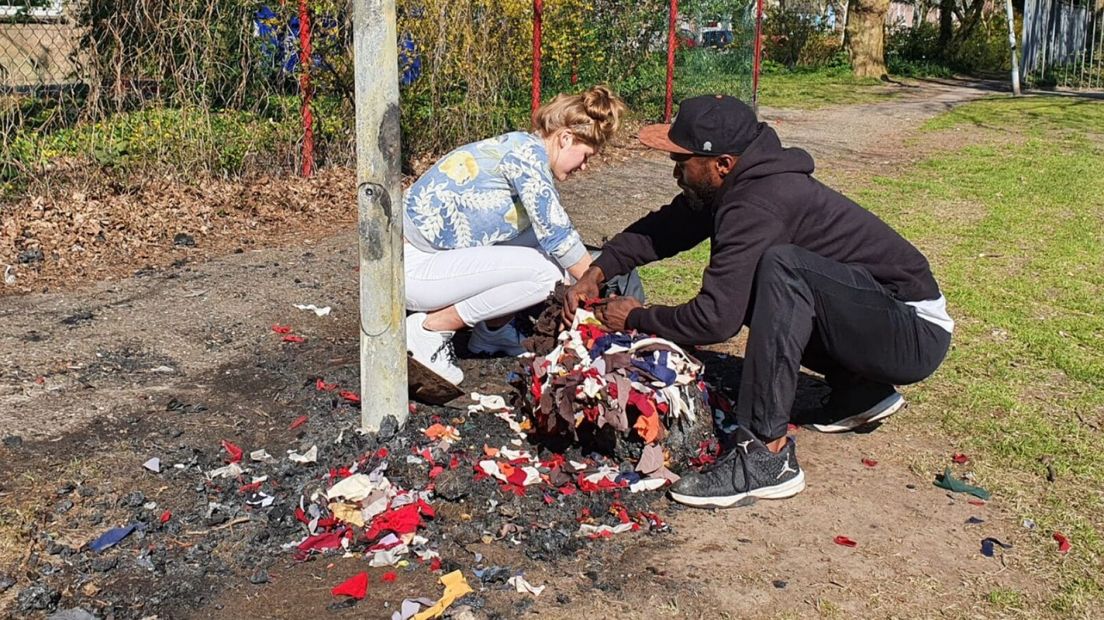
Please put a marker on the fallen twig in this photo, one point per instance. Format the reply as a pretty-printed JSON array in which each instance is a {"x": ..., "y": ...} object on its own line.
[{"x": 237, "y": 521}]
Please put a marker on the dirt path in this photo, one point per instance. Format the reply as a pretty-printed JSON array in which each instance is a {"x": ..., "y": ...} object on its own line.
[{"x": 121, "y": 350}]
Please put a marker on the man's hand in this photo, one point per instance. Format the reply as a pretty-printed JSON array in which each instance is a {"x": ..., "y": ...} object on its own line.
[
  {"x": 615, "y": 311},
  {"x": 585, "y": 288}
]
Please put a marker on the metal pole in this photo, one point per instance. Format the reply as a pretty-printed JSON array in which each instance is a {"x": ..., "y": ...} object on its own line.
[
  {"x": 538, "y": 15},
  {"x": 305, "y": 93},
  {"x": 379, "y": 203},
  {"x": 672, "y": 42},
  {"x": 1012, "y": 45}
]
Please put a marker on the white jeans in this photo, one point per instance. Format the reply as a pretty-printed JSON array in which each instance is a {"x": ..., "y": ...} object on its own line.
[{"x": 486, "y": 282}]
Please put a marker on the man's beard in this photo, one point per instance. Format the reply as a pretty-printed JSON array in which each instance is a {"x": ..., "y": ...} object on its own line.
[{"x": 698, "y": 197}]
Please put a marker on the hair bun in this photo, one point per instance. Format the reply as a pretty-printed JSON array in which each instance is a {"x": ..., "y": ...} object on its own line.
[{"x": 604, "y": 107}]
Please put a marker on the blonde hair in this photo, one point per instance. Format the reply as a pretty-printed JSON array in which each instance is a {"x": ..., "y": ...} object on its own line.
[{"x": 593, "y": 115}]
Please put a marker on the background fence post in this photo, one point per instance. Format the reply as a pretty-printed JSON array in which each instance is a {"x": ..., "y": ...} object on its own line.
[
  {"x": 757, "y": 63},
  {"x": 383, "y": 390},
  {"x": 305, "y": 62},
  {"x": 538, "y": 25},
  {"x": 672, "y": 43}
]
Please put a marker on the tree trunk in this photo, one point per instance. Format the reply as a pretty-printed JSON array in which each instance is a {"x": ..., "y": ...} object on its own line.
[
  {"x": 866, "y": 37},
  {"x": 946, "y": 23}
]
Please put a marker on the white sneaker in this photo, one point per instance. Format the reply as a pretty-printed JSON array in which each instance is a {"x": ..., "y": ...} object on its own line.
[
  {"x": 881, "y": 410},
  {"x": 431, "y": 349},
  {"x": 505, "y": 339}
]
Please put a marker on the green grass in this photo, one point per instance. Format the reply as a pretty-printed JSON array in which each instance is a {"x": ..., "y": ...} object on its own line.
[
  {"x": 816, "y": 88},
  {"x": 1014, "y": 228}
]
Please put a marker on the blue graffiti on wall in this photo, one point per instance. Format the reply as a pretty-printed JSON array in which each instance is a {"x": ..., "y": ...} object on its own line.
[{"x": 280, "y": 43}]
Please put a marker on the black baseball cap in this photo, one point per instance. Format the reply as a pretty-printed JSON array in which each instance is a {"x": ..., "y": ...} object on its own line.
[{"x": 705, "y": 125}]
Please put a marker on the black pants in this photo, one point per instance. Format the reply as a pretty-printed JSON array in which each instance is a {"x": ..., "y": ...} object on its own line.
[{"x": 832, "y": 318}]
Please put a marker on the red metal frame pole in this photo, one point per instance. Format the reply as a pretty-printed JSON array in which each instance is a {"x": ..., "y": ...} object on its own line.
[
  {"x": 305, "y": 93},
  {"x": 672, "y": 42},
  {"x": 538, "y": 11},
  {"x": 758, "y": 54}
]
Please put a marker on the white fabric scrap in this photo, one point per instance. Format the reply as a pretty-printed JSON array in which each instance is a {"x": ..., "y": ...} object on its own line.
[
  {"x": 587, "y": 529},
  {"x": 315, "y": 309},
  {"x": 486, "y": 402},
  {"x": 310, "y": 456},
  {"x": 153, "y": 465},
  {"x": 388, "y": 557},
  {"x": 260, "y": 455},
  {"x": 521, "y": 585},
  {"x": 353, "y": 488},
  {"x": 508, "y": 419},
  {"x": 233, "y": 470},
  {"x": 647, "y": 484}
]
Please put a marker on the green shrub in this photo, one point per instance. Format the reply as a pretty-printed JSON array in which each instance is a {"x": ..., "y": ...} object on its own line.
[
  {"x": 185, "y": 140},
  {"x": 791, "y": 38},
  {"x": 980, "y": 48}
]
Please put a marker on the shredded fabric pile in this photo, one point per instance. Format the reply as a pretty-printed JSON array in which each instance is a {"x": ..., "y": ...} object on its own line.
[
  {"x": 366, "y": 513},
  {"x": 613, "y": 391}
]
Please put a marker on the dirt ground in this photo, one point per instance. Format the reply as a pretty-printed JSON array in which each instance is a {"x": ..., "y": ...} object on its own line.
[{"x": 88, "y": 375}]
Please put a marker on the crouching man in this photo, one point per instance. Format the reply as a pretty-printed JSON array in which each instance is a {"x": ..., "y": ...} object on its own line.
[{"x": 819, "y": 281}]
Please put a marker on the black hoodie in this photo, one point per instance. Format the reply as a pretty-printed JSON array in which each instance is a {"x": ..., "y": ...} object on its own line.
[{"x": 769, "y": 199}]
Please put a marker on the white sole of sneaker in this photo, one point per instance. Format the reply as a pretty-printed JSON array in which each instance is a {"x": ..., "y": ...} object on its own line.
[
  {"x": 888, "y": 406},
  {"x": 789, "y": 488}
]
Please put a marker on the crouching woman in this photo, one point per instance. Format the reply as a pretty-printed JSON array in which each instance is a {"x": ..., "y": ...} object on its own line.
[{"x": 486, "y": 235}]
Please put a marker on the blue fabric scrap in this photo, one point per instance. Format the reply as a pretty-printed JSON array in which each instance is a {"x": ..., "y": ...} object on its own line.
[
  {"x": 987, "y": 546},
  {"x": 111, "y": 537}
]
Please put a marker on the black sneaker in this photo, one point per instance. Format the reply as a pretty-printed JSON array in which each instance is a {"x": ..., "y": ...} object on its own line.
[
  {"x": 858, "y": 403},
  {"x": 746, "y": 472}
]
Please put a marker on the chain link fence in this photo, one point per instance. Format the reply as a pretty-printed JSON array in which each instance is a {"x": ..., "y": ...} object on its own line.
[{"x": 223, "y": 88}]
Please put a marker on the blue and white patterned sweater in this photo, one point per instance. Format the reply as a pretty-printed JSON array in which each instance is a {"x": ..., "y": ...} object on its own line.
[{"x": 489, "y": 192}]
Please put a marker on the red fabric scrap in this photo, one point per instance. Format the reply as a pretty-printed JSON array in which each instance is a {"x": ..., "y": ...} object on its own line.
[
  {"x": 961, "y": 459},
  {"x": 1063, "y": 542},
  {"x": 454, "y": 462},
  {"x": 976, "y": 502},
  {"x": 281, "y": 329},
  {"x": 322, "y": 386},
  {"x": 708, "y": 451},
  {"x": 252, "y": 487},
  {"x": 404, "y": 520},
  {"x": 301, "y": 516},
  {"x": 517, "y": 477},
  {"x": 165, "y": 516},
  {"x": 436, "y": 471},
  {"x": 382, "y": 453},
  {"x": 568, "y": 489},
  {"x": 356, "y": 587},
  {"x": 435, "y": 564},
  {"x": 294, "y": 338},
  {"x": 321, "y": 542},
  {"x": 548, "y": 499},
  {"x": 617, "y": 508},
  {"x": 389, "y": 577},
  {"x": 301, "y": 420},
  {"x": 870, "y": 462},
  {"x": 233, "y": 451},
  {"x": 844, "y": 541},
  {"x": 352, "y": 397}
]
